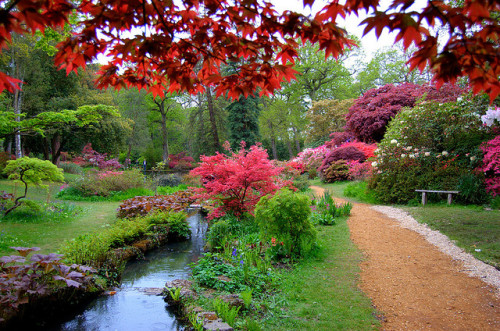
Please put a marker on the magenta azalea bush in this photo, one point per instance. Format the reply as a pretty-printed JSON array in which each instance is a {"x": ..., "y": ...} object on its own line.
[{"x": 491, "y": 165}]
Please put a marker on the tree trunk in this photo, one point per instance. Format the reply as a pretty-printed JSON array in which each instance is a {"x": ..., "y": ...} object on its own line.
[
  {"x": 18, "y": 99},
  {"x": 46, "y": 149},
  {"x": 297, "y": 142},
  {"x": 164, "y": 134},
  {"x": 211, "y": 112},
  {"x": 273, "y": 139},
  {"x": 290, "y": 152},
  {"x": 56, "y": 149}
]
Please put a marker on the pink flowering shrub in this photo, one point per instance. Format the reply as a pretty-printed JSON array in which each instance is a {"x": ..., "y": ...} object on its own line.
[
  {"x": 236, "y": 182},
  {"x": 491, "y": 165},
  {"x": 311, "y": 159},
  {"x": 97, "y": 159},
  {"x": 360, "y": 171},
  {"x": 345, "y": 153},
  {"x": 180, "y": 161}
]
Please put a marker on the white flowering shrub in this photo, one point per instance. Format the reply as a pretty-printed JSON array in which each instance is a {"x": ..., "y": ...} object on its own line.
[{"x": 432, "y": 146}]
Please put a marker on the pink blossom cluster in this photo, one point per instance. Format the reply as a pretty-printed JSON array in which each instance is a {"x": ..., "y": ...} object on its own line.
[
  {"x": 99, "y": 159},
  {"x": 491, "y": 165},
  {"x": 311, "y": 156}
]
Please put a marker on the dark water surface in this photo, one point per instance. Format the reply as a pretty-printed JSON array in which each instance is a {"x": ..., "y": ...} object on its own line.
[{"x": 132, "y": 308}]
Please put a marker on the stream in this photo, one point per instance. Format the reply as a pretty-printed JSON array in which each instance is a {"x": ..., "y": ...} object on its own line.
[{"x": 135, "y": 306}]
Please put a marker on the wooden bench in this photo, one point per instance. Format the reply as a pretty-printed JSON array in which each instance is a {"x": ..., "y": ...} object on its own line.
[{"x": 424, "y": 195}]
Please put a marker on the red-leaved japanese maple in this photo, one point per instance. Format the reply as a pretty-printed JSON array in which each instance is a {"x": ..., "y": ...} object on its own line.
[
  {"x": 238, "y": 181},
  {"x": 183, "y": 45}
]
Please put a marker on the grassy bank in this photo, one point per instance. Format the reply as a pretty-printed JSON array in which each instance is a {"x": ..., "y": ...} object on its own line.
[{"x": 322, "y": 293}]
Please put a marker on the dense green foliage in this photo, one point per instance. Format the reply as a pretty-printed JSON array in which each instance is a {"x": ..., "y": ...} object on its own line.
[
  {"x": 284, "y": 217},
  {"x": 432, "y": 146},
  {"x": 243, "y": 121}
]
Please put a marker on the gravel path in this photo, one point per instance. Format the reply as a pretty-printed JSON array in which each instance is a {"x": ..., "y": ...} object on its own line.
[{"x": 412, "y": 283}]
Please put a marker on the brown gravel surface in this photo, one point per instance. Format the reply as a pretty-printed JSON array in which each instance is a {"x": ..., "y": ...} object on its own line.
[{"x": 414, "y": 285}]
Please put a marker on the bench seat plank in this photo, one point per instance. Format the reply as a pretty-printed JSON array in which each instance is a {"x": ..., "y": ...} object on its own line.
[
  {"x": 434, "y": 191},
  {"x": 424, "y": 195}
]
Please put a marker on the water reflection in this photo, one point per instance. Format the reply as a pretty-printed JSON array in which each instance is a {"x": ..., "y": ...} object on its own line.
[{"x": 131, "y": 308}]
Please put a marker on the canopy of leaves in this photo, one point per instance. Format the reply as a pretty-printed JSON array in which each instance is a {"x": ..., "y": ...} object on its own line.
[
  {"x": 33, "y": 170},
  {"x": 181, "y": 47},
  {"x": 325, "y": 117}
]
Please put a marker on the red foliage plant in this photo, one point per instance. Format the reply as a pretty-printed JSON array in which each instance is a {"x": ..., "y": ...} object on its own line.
[
  {"x": 347, "y": 153},
  {"x": 238, "y": 181},
  {"x": 338, "y": 138},
  {"x": 367, "y": 149},
  {"x": 491, "y": 165},
  {"x": 368, "y": 117},
  {"x": 180, "y": 161},
  {"x": 182, "y": 49}
]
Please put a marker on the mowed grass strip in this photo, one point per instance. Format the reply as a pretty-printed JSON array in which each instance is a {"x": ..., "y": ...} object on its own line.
[
  {"x": 321, "y": 293},
  {"x": 49, "y": 235}
]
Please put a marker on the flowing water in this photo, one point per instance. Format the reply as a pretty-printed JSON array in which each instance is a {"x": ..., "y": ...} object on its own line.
[{"x": 133, "y": 307}]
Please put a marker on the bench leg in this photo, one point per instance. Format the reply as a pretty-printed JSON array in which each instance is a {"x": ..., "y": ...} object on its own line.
[
  {"x": 449, "y": 198},
  {"x": 424, "y": 198}
]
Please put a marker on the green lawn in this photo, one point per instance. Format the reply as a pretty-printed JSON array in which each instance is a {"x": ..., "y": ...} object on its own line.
[
  {"x": 322, "y": 293},
  {"x": 49, "y": 235}
]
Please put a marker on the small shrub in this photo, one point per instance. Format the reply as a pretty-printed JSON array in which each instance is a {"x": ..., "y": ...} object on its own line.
[
  {"x": 348, "y": 153},
  {"x": 237, "y": 182},
  {"x": 71, "y": 168},
  {"x": 104, "y": 183},
  {"x": 285, "y": 217},
  {"x": 472, "y": 189},
  {"x": 336, "y": 171},
  {"x": 23, "y": 280},
  {"x": 301, "y": 183},
  {"x": 178, "y": 226},
  {"x": 168, "y": 180},
  {"x": 218, "y": 233},
  {"x": 491, "y": 165}
]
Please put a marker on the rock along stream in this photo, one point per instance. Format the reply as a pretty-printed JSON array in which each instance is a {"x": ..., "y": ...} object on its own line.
[{"x": 135, "y": 306}]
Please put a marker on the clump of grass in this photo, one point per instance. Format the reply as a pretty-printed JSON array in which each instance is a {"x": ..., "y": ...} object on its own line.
[{"x": 361, "y": 192}]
